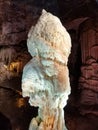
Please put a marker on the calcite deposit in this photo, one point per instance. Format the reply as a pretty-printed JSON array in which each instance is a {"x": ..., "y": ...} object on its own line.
[{"x": 45, "y": 78}]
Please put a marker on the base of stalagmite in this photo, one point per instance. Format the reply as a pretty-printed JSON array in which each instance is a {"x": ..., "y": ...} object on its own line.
[{"x": 53, "y": 121}]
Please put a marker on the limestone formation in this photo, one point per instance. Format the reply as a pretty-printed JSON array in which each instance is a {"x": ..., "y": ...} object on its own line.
[
  {"x": 45, "y": 77},
  {"x": 88, "y": 81}
]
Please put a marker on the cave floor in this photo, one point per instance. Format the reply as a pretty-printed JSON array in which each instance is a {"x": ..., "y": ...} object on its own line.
[{"x": 16, "y": 113}]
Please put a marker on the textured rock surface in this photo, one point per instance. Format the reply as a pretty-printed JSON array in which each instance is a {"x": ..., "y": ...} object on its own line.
[
  {"x": 12, "y": 23},
  {"x": 46, "y": 78},
  {"x": 89, "y": 71}
]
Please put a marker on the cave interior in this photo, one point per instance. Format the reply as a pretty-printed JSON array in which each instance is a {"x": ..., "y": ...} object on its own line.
[{"x": 80, "y": 18}]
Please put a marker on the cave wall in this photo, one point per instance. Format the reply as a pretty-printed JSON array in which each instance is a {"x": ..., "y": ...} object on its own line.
[{"x": 88, "y": 82}]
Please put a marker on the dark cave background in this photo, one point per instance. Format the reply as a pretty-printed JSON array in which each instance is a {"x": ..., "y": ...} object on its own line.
[{"x": 81, "y": 21}]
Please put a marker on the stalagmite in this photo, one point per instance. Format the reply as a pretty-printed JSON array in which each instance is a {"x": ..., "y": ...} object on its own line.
[{"x": 45, "y": 77}]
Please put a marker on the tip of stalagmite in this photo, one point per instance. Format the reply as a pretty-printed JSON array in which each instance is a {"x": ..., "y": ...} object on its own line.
[
  {"x": 44, "y": 11},
  {"x": 51, "y": 35}
]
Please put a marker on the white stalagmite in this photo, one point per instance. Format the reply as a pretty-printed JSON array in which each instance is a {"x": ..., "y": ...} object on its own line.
[{"x": 45, "y": 78}]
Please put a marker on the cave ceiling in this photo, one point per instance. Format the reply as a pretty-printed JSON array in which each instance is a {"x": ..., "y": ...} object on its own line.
[
  {"x": 72, "y": 9},
  {"x": 68, "y": 9},
  {"x": 65, "y": 9}
]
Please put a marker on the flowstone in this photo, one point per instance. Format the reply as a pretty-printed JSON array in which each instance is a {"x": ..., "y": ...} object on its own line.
[{"x": 45, "y": 77}]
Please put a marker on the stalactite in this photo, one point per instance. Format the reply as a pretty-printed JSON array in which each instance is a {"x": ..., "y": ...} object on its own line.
[{"x": 7, "y": 54}]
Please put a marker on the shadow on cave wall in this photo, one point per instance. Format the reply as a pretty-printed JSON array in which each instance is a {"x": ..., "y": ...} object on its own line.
[
  {"x": 5, "y": 123},
  {"x": 75, "y": 61}
]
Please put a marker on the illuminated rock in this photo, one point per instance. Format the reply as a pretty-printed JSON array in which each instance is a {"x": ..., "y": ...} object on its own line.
[{"x": 45, "y": 77}]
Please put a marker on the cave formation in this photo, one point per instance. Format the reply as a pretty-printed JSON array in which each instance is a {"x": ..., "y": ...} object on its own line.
[{"x": 81, "y": 21}]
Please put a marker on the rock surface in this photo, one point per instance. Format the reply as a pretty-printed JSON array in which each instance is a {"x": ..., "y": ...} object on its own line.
[{"x": 88, "y": 81}]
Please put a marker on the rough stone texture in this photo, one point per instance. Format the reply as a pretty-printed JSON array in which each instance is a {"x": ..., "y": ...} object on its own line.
[
  {"x": 46, "y": 78},
  {"x": 12, "y": 21},
  {"x": 88, "y": 81}
]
